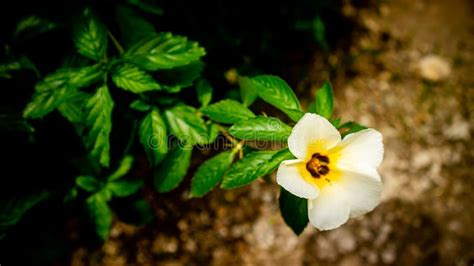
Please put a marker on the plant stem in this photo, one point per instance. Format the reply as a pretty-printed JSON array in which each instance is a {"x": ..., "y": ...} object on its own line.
[
  {"x": 132, "y": 137},
  {"x": 226, "y": 134},
  {"x": 116, "y": 43}
]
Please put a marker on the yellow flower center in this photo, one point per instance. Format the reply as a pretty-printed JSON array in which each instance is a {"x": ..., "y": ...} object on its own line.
[{"x": 319, "y": 167}]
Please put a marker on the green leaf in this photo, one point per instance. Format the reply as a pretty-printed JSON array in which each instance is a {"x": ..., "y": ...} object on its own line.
[
  {"x": 88, "y": 183},
  {"x": 248, "y": 92},
  {"x": 13, "y": 209},
  {"x": 324, "y": 101},
  {"x": 149, "y": 6},
  {"x": 261, "y": 128},
  {"x": 100, "y": 214},
  {"x": 319, "y": 33},
  {"x": 186, "y": 125},
  {"x": 90, "y": 36},
  {"x": 49, "y": 94},
  {"x": 294, "y": 211},
  {"x": 23, "y": 63},
  {"x": 227, "y": 112},
  {"x": 123, "y": 169},
  {"x": 350, "y": 127},
  {"x": 276, "y": 92},
  {"x": 336, "y": 122},
  {"x": 133, "y": 27},
  {"x": 248, "y": 169},
  {"x": 124, "y": 188},
  {"x": 204, "y": 92},
  {"x": 276, "y": 160},
  {"x": 213, "y": 132},
  {"x": 131, "y": 78},
  {"x": 58, "y": 87},
  {"x": 163, "y": 51},
  {"x": 173, "y": 80},
  {"x": 104, "y": 194},
  {"x": 140, "y": 105},
  {"x": 210, "y": 173},
  {"x": 98, "y": 122},
  {"x": 86, "y": 76},
  {"x": 153, "y": 136},
  {"x": 173, "y": 169},
  {"x": 32, "y": 26},
  {"x": 72, "y": 106}
]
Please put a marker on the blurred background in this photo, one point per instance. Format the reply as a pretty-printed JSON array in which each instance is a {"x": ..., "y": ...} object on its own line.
[{"x": 403, "y": 67}]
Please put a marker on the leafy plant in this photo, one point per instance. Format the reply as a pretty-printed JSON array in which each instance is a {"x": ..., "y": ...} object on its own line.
[{"x": 144, "y": 79}]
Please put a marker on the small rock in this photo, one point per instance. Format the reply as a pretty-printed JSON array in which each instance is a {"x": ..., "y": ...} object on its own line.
[
  {"x": 263, "y": 233},
  {"x": 344, "y": 240},
  {"x": 458, "y": 130},
  {"x": 422, "y": 159},
  {"x": 434, "y": 68},
  {"x": 389, "y": 255}
]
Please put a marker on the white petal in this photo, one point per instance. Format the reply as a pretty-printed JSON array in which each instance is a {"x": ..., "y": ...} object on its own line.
[
  {"x": 330, "y": 210},
  {"x": 363, "y": 191},
  {"x": 361, "y": 149},
  {"x": 310, "y": 129},
  {"x": 290, "y": 179}
]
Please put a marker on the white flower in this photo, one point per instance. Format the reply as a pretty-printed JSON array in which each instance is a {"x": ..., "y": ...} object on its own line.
[{"x": 338, "y": 177}]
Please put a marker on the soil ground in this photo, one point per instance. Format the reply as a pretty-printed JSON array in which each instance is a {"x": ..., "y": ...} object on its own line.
[{"x": 385, "y": 78}]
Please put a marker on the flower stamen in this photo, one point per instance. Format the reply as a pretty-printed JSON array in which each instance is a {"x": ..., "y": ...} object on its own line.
[{"x": 318, "y": 165}]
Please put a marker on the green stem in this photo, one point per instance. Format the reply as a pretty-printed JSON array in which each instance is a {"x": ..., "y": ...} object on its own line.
[
  {"x": 132, "y": 137},
  {"x": 116, "y": 43}
]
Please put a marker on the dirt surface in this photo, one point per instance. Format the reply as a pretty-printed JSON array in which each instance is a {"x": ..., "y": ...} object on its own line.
[{"x": 408, "y": 73}]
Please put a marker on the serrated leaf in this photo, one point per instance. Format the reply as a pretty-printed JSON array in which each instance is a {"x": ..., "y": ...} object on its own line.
[
  {"x": 248, "y": 92},
  {"x": 88, "y": 183},
  {"x": 204, "y": 92},
  {"x": 132, "y": 26},
  {"x": 154, "y": 137},
  {"x": 124, "y": 188},
  {"x": 131, "y": 78},
  {"x": 124, "y": 167},
  {"x": 98, "y": 123},
  {"x": 210, "y": 173},
  {"x": 100, "y": 214},
  {"x": 294, "y": 211},
  {"x": 72, "y": 106},
  {"x": 227, "y": 112},
  {"x": 324, "y": 101},
  {"x": 213, "y": 132},
  {"x": 163, "y": 51},
  {"x": 173, "y": 169},
  {"x": 13, "y": 209},
  {"x": 276, "y": 160},
  {"x": 45, "y": 102},
  {"x": 261, "y": 128},
  {"x": 90, "y": 36},
  {"x": 59, "y": 87},
  {"x": 278, "y": 93},
  {"x": 186, "y": 125},
  {"x": 243, "y": 172},
  {"x": 49, "y": 94},
  {"x": 178, "y": 78},
  {"x": 140, "y": 105},
  {"x": 86, "y": 76}
]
